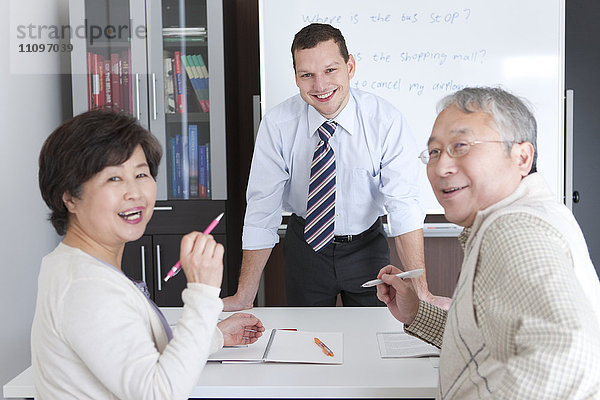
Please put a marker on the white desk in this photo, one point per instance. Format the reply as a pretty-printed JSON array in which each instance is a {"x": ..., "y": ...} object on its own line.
[{"x": 363, "y": 375}]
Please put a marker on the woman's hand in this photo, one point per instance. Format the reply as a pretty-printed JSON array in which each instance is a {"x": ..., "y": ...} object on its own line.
[
  {"x": 202, "y": 259},
  {"x": 241, "y": 328}
]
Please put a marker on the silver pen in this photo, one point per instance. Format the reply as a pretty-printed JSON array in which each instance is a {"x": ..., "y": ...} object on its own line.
[{"x": 413, "y": 273}]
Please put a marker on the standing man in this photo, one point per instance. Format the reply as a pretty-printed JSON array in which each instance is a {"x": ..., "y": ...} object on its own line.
[
  {"x": 525, "y": 315},
  {"x": 338, "y": 159}
]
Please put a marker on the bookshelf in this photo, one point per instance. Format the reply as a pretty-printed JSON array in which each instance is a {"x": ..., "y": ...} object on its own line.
[{"x": 162, "y": 62}]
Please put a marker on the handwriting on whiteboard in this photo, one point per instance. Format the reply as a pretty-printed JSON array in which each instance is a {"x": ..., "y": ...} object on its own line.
[
  {"x": 398, "y": 57},
  {"x": 449, "y": 17}
]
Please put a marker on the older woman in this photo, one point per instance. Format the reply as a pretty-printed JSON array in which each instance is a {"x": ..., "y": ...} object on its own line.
[{"x": 95, "y": 335}]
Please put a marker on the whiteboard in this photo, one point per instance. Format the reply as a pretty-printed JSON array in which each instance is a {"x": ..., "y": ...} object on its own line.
[{"x": 414, "y": 52}]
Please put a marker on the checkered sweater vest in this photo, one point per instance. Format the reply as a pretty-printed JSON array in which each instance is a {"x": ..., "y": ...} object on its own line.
[{"x": 467, "y": 371}]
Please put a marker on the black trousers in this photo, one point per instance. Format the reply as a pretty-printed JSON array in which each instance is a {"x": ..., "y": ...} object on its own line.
[{"x": 315, "y": 279}]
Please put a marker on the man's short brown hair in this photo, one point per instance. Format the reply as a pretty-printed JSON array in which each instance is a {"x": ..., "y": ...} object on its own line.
[{"x": 311, "y": 35}]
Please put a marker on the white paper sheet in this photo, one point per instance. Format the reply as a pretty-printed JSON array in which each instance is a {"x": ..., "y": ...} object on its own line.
[{"x": 401, "y": 345}]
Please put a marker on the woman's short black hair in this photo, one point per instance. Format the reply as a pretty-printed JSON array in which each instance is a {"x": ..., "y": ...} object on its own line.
[{"x": 83, "y": 146}]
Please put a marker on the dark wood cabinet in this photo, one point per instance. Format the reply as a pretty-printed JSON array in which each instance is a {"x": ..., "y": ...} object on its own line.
[
  {"x": 149, "y": 258},
  {"x": 136, "y": 258}
]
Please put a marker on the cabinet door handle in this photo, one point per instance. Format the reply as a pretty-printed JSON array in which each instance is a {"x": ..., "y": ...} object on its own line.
[
  {"x": 143, "y": 254},
  {"x": 154, "y": 111},
  {"x": 136, "y": 80},
  {"x": 568, "y": 170},
  {"x": 163, "y": 208},
  {"x": 158, "y": 269}
]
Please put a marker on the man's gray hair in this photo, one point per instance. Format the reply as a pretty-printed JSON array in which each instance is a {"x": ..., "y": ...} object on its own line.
[{"x": 513, "y": 118}]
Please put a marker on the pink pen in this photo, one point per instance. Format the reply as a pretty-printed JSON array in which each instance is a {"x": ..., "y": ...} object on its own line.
[{"x": 177, "y": 267}]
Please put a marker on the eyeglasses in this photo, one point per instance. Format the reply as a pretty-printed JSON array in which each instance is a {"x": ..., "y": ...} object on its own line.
[{"x": 454, "y": 150}]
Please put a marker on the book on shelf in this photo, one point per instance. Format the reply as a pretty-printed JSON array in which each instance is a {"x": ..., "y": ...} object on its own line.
[
  {"x": 202, "y": 175},
  {"x": 90, "y": 75},
  {"x": 115, "y": 79},
  {"x": 107, "y": 82},
  {"x": 286, "y": 346},
  {"x": 97, "y": 81},
  {"x": 203, "y": 73},
  {"x": 193, "y": 159},
  {"x": 185, "y": 166},
  {"x": 126, "y": 97},
  {"x": 180, "y": 84},
  {"x": 187, "y": 39},
  {"x": 202, "y": 65},
  {"x": 180, "y": 31},
  {"x": 189, "y": 169},
  {"x": 169, "y": 90},
  {"x": 101, "y": 74},
  {"x": 208, "y": 168},
  {"x": 172, "y": 173},
  {"x": 194, "y": 80},
  {"x": 201, "y": 81},
  {"x": 173, "y": 75},
  {"x": 189, "y": 87},
  {"x": 177, "y": 172}
]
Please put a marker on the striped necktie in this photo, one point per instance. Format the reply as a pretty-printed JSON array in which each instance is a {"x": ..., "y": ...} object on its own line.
[{"x": 320, "y": 209}]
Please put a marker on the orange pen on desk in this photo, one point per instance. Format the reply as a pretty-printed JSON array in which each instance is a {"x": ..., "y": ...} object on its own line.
[{"x": 324, "y": 347}]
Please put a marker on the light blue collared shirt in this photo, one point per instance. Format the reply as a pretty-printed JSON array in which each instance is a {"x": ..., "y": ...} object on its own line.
[{"x": 377, "y": 168}]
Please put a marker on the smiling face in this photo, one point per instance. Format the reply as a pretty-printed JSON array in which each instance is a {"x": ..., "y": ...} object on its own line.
[
  {"x": 114, "y": 207},
  {"x": 482, "y": 177},
  {"x": 323, "y": 77}
]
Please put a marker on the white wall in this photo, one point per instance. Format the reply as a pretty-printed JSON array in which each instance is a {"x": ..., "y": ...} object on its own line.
[{"x": 31, "y": 106}]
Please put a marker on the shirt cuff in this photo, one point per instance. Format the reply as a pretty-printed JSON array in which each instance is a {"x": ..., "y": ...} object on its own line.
[
  {"x": 207, "y": 290},
  {"x": 428, "y": 324},
  {"x": 217, "y": 341},
  {"x": 401, "y": 222},
  {"x": 258, "y": 238}
]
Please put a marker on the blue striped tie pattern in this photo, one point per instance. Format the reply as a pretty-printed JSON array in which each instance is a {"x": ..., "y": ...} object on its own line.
[{"x": 320, "y": 209}]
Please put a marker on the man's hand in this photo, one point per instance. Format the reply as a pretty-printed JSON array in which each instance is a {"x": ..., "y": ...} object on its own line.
[
  {"x": 253, "y": 263},
  {"x": 237, "y": 302},
  {"x": 410, "y": 248},
  {"x": 398, "y": 295},
  {"x": 240, "y": 328}
]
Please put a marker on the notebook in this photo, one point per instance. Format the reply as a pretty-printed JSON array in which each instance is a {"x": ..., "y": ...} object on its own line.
[
  {"x": 286, "y": 346},
  {"x": 401, "y": 345}
]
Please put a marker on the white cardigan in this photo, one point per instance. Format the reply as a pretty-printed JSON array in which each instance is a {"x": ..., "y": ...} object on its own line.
[{"x": 96, "y": 336}]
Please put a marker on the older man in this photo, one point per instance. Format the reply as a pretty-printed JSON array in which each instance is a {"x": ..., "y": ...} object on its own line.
[{"x": 525, "y": 315}]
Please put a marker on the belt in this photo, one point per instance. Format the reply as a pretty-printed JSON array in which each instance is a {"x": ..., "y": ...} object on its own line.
[
  {"x": 350, "y": 238},
  {"x": 347, "y": 238}
]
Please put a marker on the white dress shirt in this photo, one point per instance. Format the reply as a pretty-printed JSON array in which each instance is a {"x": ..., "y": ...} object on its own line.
[{"x": 376, "y": 164}]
